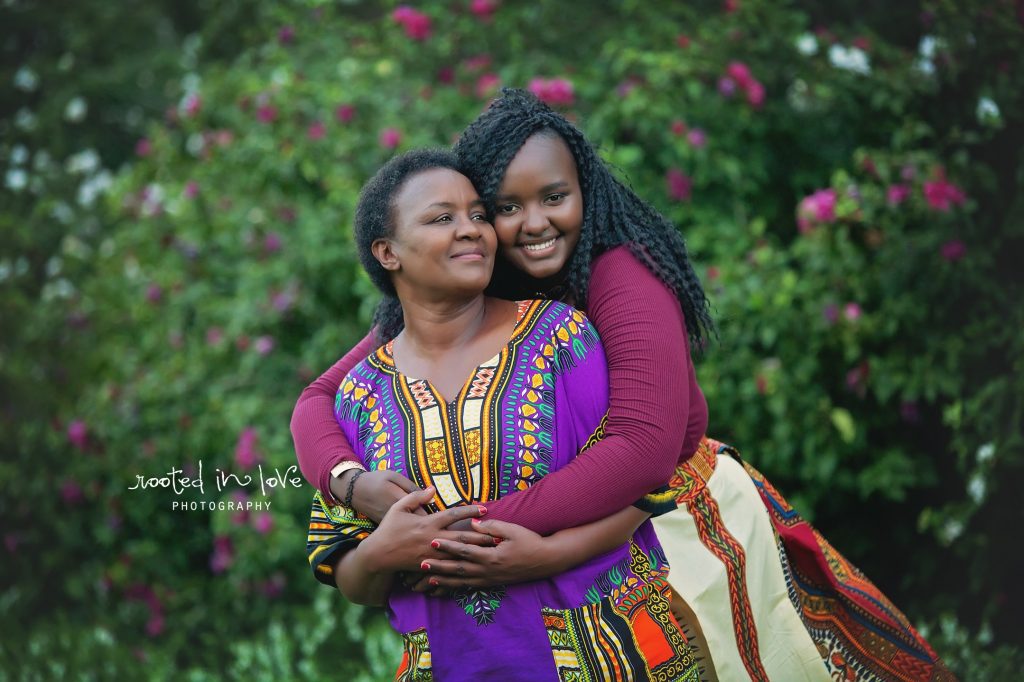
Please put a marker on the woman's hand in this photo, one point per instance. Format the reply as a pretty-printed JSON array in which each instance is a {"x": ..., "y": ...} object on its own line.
[
  {"x": 375, "y": 491},
  {"x": 402, "y": 541},
  {"x": 515, "y": 555}
]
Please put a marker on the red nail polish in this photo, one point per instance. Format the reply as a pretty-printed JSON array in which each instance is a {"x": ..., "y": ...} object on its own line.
[
  {"x": 425, "y": 566},
  {"x": 483, "y": 510},
  {"x": 434, "y": 582},
  {"x": 497, "y": 541},
  {"x": 474, "y": 521},
  {"x": 435, "y": 544}
]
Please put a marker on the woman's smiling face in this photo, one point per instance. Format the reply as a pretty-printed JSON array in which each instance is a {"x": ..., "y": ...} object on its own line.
[{"x": 539, "y": 207}]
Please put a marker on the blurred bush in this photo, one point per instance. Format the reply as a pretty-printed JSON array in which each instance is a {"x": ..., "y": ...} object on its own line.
[{"x": 177, "y": 265}]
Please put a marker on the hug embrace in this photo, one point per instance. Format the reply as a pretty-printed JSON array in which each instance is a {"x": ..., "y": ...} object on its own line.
[{"x": 514, "y": 460}]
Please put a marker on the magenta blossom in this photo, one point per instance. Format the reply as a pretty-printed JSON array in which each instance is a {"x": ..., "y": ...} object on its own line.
[
  {"x": 726, "y": 86},
  {"x": 483, "y": 9},
  {"x": 246, "y": 454},
  {"x": 316, "y": 130},
  {"x": 818, "y": 208},
  {"x": 683, "y": 41},
  {"x": 71, "y": 492},
  {"x": 286, "y": 35},
  {"x": 390, "y": 138},
  {"x": 831, "y": 313},
  {"x": 755, "y": 94},
  {"x": 263, "y": 522},
  {"x": 264, "y": 344},
  {"x": 78, "y": 433},
  {"x": 487, "y": 85},
  {"x": 154, "y": 293},
  {"x": 345, "y": 113},
  {"x": 477, "y": 62},
  {"x": 679, "y": 185},
  {"x": 193, "y": 103},
  {"x": 266, "y": 113},
  {"x": 155, "y": 624},
  {"x": 558, "y": 92},
  {"x": 678, "y": 128},
  {"x": 897, "y": 194},
  {"x": 954, "y": 250},
  {"x": 942, "y": 195},
  {"x": 416, "y": 24},
  {"x": 740, "y": 73},
  {"x": 143, "y": 147},
  {"x": 851, "y": 311},
  {"x": 697, "y": 137},
  {"x": 272, "y": 242},
  {"x": 223, "y": 554},
  {"x": 214, "y": 335},
  {"x": 191, "y": 190}
]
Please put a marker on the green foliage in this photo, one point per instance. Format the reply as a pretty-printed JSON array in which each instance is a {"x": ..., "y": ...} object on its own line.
[{"x": 857, "y": 222}]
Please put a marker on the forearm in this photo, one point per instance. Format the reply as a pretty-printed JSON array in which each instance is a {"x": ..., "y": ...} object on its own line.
[
  {"x": 361, "y": 578},
  {"x": 574, "y": 546}
]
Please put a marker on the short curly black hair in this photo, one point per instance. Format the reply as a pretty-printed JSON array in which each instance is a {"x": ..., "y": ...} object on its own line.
[
  {"x": 613, "y": 214},
  {"x": 375, "y": 219}
]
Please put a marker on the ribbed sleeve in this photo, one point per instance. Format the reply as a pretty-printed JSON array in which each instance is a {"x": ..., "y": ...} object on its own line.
[{"x": 319, "y": 443}]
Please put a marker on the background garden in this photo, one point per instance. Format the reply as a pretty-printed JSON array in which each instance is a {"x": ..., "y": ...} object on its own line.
[{"x": 175, "y": 265}]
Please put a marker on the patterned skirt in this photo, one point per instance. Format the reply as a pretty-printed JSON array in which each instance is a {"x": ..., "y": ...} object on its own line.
[{"x": 765, "y": 596}]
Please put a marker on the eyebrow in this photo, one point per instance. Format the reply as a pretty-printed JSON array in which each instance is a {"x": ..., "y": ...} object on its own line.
[
  {"x": 558, "y": 184},
  {"x": 449, "y": 205}
]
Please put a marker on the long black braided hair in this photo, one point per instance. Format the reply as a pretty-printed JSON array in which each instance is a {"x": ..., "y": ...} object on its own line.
[
  {"x": 612, "y": 213},
  {"x": 375, "y": 219}
]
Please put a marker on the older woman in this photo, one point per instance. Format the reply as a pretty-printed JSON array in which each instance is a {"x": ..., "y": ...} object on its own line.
[{"x": 476, "y": 398}]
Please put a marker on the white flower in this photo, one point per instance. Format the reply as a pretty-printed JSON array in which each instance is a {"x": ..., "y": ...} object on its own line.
[
  {"x": 25, "y": 120},
  {"x": 985, "y": 453},
  {"x": 16, "y": 179},
  {"x": 26, "y": 79},
  {"x": 76, "y": 109},
  {"x": 42, "y": 161},
  {"x": 195, "y": 144},
  {"x": 951, "y": 530},
  {"x": 987, "y": 109},
  {"x": 976, "y": 488},
  {"x": 19, "y": 154},
  {"x": 926, "y": 48},
  {"x": 849, "y": 59},
  {"x": 53, "y": 266},
  {"x": 924, "y": 66},
  {"x": 93, "y": 187},
  {"x": 62, "y": 212},
  {"x": 807, "y": 44},
  {"x": 84, "y": 162}
]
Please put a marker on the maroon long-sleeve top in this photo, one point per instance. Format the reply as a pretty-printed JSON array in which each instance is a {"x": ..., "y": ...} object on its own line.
[{"x": 656, "y": 417}]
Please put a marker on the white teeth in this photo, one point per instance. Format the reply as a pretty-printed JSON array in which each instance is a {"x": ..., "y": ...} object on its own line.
[{"x": 539, "y": 247}]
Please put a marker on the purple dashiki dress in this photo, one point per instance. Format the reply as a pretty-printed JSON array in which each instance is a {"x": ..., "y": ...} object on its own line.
[{"x": 524, "y": 413}]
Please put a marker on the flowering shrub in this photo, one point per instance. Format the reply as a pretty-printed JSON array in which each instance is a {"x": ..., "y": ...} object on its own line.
[{"x": 850, "y": 194}]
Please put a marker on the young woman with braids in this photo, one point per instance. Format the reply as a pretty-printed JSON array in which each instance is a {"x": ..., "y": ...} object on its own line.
[{"x": 568, "y": 229}]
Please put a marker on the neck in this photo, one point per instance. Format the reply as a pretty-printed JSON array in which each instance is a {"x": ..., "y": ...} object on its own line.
[{"x": 437, "y": 327}]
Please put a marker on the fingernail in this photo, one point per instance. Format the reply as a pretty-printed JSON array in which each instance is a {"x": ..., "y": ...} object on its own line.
[
  {"x": 434, "y": 582},
  {"x": 475, "y": 521},
  {"x": 483, "y": 510},
  {"x": 435, "y": 544},
  {"x": 497, "y": 541},
  {"x": 425, "y": 566}
]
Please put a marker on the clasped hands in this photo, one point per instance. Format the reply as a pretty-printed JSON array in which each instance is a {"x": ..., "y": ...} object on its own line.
[{"x": 447, "y": 550}]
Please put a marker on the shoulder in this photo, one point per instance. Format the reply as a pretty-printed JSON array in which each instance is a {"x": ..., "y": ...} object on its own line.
[
  {"x": 565, "y": 334},
  {"x": 619, "y": 273}
]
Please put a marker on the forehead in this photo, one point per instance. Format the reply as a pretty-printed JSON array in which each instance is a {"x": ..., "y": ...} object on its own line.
[
  {"x": 543, "y": 152},
  {"x": 435, "y": 185}
]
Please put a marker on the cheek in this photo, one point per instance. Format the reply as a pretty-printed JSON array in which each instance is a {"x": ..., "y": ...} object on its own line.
[{"x": 506, "y": 230}]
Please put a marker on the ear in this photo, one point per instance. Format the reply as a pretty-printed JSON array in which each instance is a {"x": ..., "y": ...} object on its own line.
[{"x": 383, "y": 250}]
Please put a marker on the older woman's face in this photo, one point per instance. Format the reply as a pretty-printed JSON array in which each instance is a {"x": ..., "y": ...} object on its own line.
[
  {"x": 539, "y": 207},
  {"x": 442, "y": 243}
]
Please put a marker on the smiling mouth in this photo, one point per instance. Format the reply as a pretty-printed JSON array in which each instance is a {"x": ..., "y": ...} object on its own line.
[{"x": 541, "y": 245}]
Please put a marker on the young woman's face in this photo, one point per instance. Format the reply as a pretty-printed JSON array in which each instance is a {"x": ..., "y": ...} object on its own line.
[
  {"x": 442, "y": 243},
  {"x": 539, "y": 207}
]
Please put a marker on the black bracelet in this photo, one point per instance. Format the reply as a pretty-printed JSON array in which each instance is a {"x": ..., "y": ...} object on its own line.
[{"x": 347, "y": 502}]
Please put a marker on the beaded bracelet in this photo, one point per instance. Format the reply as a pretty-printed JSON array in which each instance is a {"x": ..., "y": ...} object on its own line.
[{"x": 347, "y": 502}]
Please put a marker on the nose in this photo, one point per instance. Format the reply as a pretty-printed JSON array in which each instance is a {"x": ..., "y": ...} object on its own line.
[
  {"x": 467, "y": 228},
  {"x": 535, "y": 222}
]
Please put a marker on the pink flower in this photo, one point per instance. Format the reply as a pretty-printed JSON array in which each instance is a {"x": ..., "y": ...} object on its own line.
[
  {"x": 263, "y": 522},
  {"x": 732, "y": 6},
  {"x": 755, "y": 94},
  {"x": 316, "y": 131},
  {"x": 282, "y": 301},
  {"x": 266, "y": 113},
  {"x": 830, "y": 313},
  {"x": 678, "y": 128},
  {"x": 679, "y": 185},
  {"x": 264, "y": 345},
  {"x": 697, "y": 137},
  {"x": 897, "y": 194},
  {"x": 272, "y": 242},
  {"x": 726, "y": 86},
  {"x": 856, "y": 378},
  {"x": 908, "y": 172},
  {"x": 851, "y": 311},
  {"x": 193, "y": 103},
  {"x": 223, "y": 554},
  {"x": 78, "y": 434},
  {"x": 214, "y": 335},
  {"x": 240, "y": 517},
  {"x": 417, "y": 24},
  {"x": 477, "y": 62},
  {"x": 246, "y": 454},
  {"x": 942, "y": 195},
  {"x": 487, "y": 85},
  {"x": 390, "y": 138},
  {"x": 713, "y": 273},
  {"x": 285, "y": 35},
  {"x": 554, "y": 91},
  {"x": 683, "y": 41},
  {"x": 819, "y": 207},
  {"x": 155, "y": 624},
  {"x": 740, "y": 73},
  {"x": 446, "y": 75},
  {"x": 143, "y": 147},
  {"x": 191, "y": 190},
  {"x": 345, "y": 113},
  {"x": 483, "y": 9},
  {"x": 71, "y": 492},
  {"x": 954, "y": 250},
  {"x": 154, "y": 293}
]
